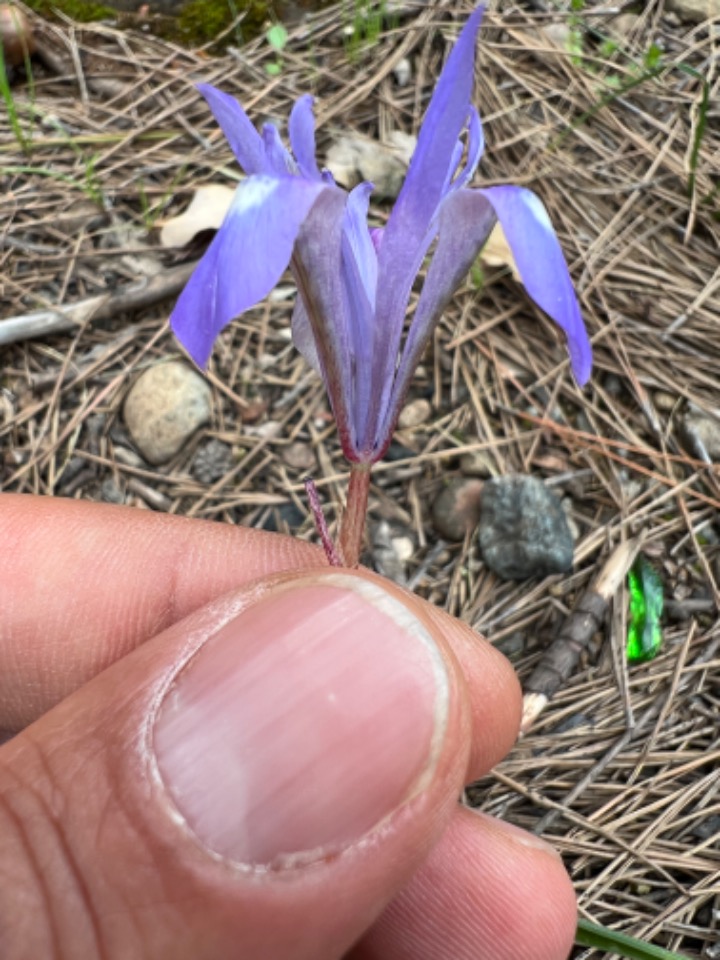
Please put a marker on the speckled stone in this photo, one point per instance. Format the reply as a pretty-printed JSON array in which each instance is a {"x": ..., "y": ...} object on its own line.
[
  {"x": 164, "y": 407},
  {"x": 523, "y": 529}
]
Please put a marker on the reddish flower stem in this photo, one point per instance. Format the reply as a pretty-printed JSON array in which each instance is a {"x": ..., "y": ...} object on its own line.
[{"x": 352, "y": 525}]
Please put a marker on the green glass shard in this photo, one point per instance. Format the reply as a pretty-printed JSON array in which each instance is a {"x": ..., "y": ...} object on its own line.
[{"x": 644, "y": 637}]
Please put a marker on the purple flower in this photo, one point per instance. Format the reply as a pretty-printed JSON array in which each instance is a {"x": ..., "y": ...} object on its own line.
[{"x": 354, "y": 282}]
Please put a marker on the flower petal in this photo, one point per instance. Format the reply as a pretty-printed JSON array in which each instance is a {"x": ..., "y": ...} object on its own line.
[
  {"x": 245, "y": 142},
  {"x": 476, "y": 145},
  {"x": 317, "y": 266},
  {"x": 303, "y": 337},
  {"x": 278, "y": 161},
  {"x": 542, "y": 267},
  {"x": 359, "y": 268},
  {"x": 245, "y": 260},
  {"x": 302, "y": 137},
  {"x": 358, "y": 244},
  {"x": 466, "y": 221},
  {"x": 444, "y": 121},
  {"x": 413, "y": 223}
]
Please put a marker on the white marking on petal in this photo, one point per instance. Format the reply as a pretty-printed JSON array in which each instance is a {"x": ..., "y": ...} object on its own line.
[
  {"x": 252, "y": 193},
  {"x": 537, "y": 208}
]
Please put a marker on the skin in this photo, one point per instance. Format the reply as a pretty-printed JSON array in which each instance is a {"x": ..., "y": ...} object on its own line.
[{"x": 97, "y": 606}]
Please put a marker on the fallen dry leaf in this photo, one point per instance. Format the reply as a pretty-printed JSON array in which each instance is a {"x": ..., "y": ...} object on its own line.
[
  {"x": 206, "y": 211},
  {"x": 497, "y": 253}
]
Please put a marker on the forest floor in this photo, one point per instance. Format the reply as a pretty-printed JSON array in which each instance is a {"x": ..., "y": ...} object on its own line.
[{"x": 612, "y": 118}]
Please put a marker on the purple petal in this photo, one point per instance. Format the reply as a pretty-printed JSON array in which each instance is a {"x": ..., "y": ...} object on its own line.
[
  {"x": 476, "y": 145},
  {"x": 357, "y": 239},
  {"x": 359, "y": 266},
  {"x": 245, "y": 260},
  {"x": 317, "y": 266},
  {"x": 245, "y": 142},
  {"x": 444, "y": 121},
  {"x": 413, "y": 222},
  {"x": 278, "y": 161},
  {"x": 303, "y": 336},
  {"x": 302, "y": 137},
  {"x": 466, "y": 221},
  {"x": 542, "y": 267}
]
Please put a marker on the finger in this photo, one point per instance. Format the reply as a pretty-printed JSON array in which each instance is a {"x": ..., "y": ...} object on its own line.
[
  {"x": 83, "y": 584},
  {"x": 488, "y": 891},
  {"x": 258, "y": 781}
]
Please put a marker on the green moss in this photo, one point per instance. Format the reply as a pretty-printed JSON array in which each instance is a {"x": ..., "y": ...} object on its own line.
[
  {"x": 197, "y": 22},
  {"x": 83, "y": 11},
  {"x": 200, "y": 21}
]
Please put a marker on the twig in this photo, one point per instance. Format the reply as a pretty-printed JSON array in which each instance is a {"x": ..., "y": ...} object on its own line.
[
  {"x": 132, "y": 296},
  {"x": 559, "y": 661}
]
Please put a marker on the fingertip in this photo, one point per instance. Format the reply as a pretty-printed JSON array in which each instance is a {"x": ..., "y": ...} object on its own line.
[
  {"x": 494, "y": 691},
  {"x": 488, "y": 891}
]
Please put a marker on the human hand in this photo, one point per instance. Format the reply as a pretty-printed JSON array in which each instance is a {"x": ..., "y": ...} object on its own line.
[{"x": 225, "y": 749}]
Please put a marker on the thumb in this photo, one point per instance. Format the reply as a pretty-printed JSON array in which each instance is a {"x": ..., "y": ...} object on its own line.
[{"x": 258, "y": 781}]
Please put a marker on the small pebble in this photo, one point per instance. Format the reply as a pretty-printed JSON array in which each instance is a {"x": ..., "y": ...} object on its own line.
[
  {"x": 16, "y": 36},
  {"x": 456, "y": 509},
  {"x": 624, "y": 25},
  {"x": 253, "y": 411},
  {"x": 383, "y": 557},
  {"x": 414, "y": 414},
  {"x": 700, "y": 434},
  {"x": 664, "y": 401},
  {"x": 300, "y": 456},
  {"x": 404, "y": 548},
  {"x": 111, "y": 492},
  {"x": 164, "y": 407},
  {"x": 265, "y": 431},
  {"x": 398, "y": 451},
  {"x": 402, "y": 72},
  {"x": 694, "y": 11},
  {"x": 513, "y": 645},
  {"x": 127, "y": 457},
  {"x": 212, "y": 461},
  {"x": 284, "y": 514},
  {"x": 523, "y": 529},
  {"x": 613, "y": 384}
]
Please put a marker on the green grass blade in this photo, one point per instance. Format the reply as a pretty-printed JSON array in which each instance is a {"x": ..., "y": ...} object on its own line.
[{"x": 592, "y": 935}]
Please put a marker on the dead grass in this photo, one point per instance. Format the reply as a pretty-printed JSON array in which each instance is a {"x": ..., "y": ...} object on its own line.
[{"x": 621, "y": 771}]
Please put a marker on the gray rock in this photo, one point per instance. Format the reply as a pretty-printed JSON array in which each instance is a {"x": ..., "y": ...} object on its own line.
[
  {"x": 523, "y": 529},
  {"x": 164, "y": 407},
  {"x": 513, "y": 645},
  {"x": 212, "y": 461},
  {"x": 456, "y": 509},
  {"x": 111, "y": 492}
]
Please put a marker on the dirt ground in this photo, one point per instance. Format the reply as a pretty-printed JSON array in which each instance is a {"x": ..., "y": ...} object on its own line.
[{"x": 612, "y": 117}]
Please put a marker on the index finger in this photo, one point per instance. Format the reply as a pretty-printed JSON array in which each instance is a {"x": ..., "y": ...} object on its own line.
[{"x": 82, "y": 584}]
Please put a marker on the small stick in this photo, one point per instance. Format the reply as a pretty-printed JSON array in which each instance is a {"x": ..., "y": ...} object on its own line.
[
  {"x": 561, "y": 658},
  {"x": 321, "y": 523},
  {"x": 70, "y": 316}
]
